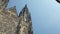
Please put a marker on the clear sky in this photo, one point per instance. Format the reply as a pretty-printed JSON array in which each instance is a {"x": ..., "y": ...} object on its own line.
[{"x": 45, "y": 14}]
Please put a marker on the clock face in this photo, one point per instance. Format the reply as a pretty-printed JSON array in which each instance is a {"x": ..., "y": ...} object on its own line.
[{"x": 58, "y": 1}]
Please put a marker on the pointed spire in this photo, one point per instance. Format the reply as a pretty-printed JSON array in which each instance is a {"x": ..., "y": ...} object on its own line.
[
  {"x": 25, "y": 21},
  {"x": 24, "y": 11},
  {"x": 25, "y": 6}
]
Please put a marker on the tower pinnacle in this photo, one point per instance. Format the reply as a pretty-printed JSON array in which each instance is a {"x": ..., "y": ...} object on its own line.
[{"x": 25, "y": 23}]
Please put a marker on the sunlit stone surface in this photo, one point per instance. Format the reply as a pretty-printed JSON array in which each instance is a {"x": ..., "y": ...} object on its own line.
[
  {"x": 11, "y": 23},
  {"x": 25, "y": 23},
  {"x": 8, "y": 18}
]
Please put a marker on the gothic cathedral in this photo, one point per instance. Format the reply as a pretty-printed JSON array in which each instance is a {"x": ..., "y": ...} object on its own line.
[{"x": 11, "y": 23}]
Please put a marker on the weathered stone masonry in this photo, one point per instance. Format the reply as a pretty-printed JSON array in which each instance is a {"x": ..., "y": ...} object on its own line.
[{"x": 11, "y": 23}]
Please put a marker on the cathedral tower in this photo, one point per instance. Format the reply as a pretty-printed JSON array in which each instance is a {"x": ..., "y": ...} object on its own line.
[{"x": 25, "y": 23}]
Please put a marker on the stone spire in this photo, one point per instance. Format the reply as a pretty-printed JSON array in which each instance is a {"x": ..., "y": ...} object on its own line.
[
  {"x": 24, "y": 11},
  {"x": 3, "y": 4},
  {"x": 25, "y": 23}
]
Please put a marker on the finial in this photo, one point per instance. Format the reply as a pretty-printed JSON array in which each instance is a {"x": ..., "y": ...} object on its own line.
[{"x": 25, "y": 6}]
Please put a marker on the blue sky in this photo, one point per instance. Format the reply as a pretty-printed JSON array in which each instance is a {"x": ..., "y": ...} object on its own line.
[{"x": 45, "y": 14}]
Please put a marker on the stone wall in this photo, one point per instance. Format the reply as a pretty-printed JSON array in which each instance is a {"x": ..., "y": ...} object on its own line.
[
  {"x": 25, "y": 23},
  {"x": 11, "y": 23},
  {"x": 8, "y": 21}
]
